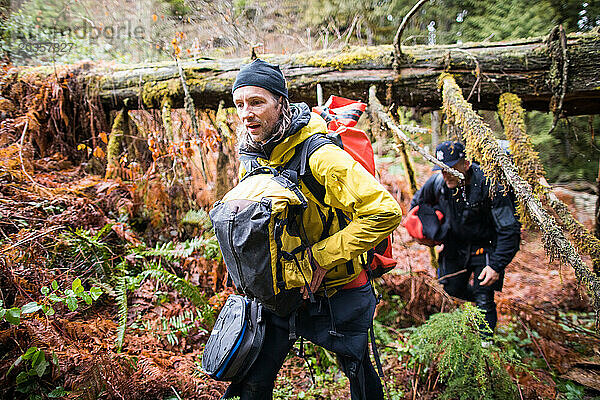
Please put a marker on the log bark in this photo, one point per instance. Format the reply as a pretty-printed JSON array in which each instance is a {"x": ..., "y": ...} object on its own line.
[{"x": 484, "y": 71}]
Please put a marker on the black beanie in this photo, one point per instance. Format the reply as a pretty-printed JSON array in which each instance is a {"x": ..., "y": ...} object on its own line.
[{"x": 262, "y": 74}]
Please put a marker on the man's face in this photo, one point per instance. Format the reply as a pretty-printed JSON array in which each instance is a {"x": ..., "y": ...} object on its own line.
[
  {"x": 452, "y": 181},
  {"x": 258, "y": 110}
]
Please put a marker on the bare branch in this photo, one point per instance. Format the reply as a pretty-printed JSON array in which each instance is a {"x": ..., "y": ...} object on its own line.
[{"x": 377, "y": 110}]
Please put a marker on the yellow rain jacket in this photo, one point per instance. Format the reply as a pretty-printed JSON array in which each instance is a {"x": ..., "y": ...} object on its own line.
[{"x": 373, "y": 212}]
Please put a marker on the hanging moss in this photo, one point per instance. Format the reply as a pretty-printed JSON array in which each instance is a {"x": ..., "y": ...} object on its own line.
[
  {"x": 496, "y": 164},
  {"x": 530, "y": 168},
  {"x": 408, "y": 168},
  {"x": 120, "y": 127},
  {"x": 584, "y": 240},
  {"x": 522, "y": 151}
]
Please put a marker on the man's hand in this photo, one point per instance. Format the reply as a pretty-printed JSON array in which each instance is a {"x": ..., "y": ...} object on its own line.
[
  {"x": 317, "y": 277},
  {"x": 488, "y": 276}
]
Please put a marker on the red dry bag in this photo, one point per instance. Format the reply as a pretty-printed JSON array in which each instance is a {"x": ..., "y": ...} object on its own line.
[{"x": 342, "y": 116}]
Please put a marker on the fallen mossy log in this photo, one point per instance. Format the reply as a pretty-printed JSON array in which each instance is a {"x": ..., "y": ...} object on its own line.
[
  {"x": 499, "y": 168},
  {"x": 526, "y": 67}
]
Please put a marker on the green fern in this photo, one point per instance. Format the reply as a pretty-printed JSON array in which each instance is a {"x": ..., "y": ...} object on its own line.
[
  {"x": 199, "y": 218},
  {"x": 186, "y": 289},
  {"x": 106, "y": 288},
  {"x": 452, "y": 343},
  {"x": 83, "y": 250},
  {"x": 171, "y": 251},
  {"x": 121, "y": 293},
  {"x": 180, "y": 325}
]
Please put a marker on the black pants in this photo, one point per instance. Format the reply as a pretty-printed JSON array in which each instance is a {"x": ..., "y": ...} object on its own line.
[
  {"x": 352, "y": 311},
  {"x": 459, "y": 286}
]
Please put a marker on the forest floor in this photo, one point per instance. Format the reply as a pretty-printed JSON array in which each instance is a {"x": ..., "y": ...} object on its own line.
[{"x": 544, "y": 316}]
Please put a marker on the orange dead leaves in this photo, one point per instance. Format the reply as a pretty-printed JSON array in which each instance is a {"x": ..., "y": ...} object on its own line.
[
  {"x": 218, "y": 299},
  {"x": 154, "y": 148},
  {"x": 103, "y": 137},
  {"x": 179, "y": 36},
  {"x": 98, "y": 152},
  {"x": 10, "y": 161}
]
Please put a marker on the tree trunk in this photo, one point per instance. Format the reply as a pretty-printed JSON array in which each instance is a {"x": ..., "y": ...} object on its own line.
[{"x": 483, "y": 70}]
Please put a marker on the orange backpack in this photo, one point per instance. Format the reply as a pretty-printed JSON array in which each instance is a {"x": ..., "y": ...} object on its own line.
[{"x": 342, "y": 116}]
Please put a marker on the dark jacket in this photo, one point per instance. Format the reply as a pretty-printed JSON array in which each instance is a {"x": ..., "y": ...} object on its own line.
[{"x": 476, "y": 219}]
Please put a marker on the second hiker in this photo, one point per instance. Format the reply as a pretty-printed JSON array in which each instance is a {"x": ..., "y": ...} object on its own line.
[{"x": 482, "y": 235}]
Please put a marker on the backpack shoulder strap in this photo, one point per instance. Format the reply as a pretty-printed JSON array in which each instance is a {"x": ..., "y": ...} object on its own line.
[{"x": 300, "y": 163}]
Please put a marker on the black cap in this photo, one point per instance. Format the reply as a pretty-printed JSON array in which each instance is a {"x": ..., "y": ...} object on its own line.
[
  {"x": 449, "y": 153},
  {"x": 262, "y": 74}
]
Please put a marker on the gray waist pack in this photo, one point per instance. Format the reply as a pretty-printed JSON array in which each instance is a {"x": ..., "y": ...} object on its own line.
[{"x": 235, "y": 340}]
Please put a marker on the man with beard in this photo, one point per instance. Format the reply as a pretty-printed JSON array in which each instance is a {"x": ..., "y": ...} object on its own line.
[{"x": 355, "y": 214}]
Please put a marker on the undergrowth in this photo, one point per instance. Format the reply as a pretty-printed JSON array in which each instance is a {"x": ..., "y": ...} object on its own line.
[{"x": 451, "y": 343}]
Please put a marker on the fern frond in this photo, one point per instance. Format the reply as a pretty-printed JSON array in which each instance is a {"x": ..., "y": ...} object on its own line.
[
  {"x": 172, "y": 252},
  {"x": 453, "y": 344},
  {"x": 121, "y": 292},
  {"x": 82, "y": 249},
  {"x": 106, "y": 288},
  {"x": 182, "y": 286},
  {"x": 199, "y": 218}
]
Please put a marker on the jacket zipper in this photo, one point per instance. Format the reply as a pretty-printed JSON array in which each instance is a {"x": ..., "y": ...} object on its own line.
[{"x": 354, "y": 195}]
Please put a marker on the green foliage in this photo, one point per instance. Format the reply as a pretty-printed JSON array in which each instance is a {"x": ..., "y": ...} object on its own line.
[
  {"x": 452, "y": 343},
  {"x": 121, "y": 292},
  {"x": 178, "y": 326},
  {"x": 10, "y": 315},
  {"x": 63, "y": 31},
  {"x": 199, "y": 218},
  {"x": 330, "y": 378},
  {"x": 186, "y": 289},
  {"x": 81, "y": 250},
  {"x": 571, "y": 390},
  {"x": 569, "y": 153},
  {"x": 510, "y": 19},
  {"x": 178, "y": 7},
  {"x": 183, "y": 287},
  {"x": 450, "y": 21},
  {"x": 172, "y": 251},
  {"x": 52, "y": 295},
  {"x": 85, "y": 251},
  {"x": 29, "y": 380}
]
